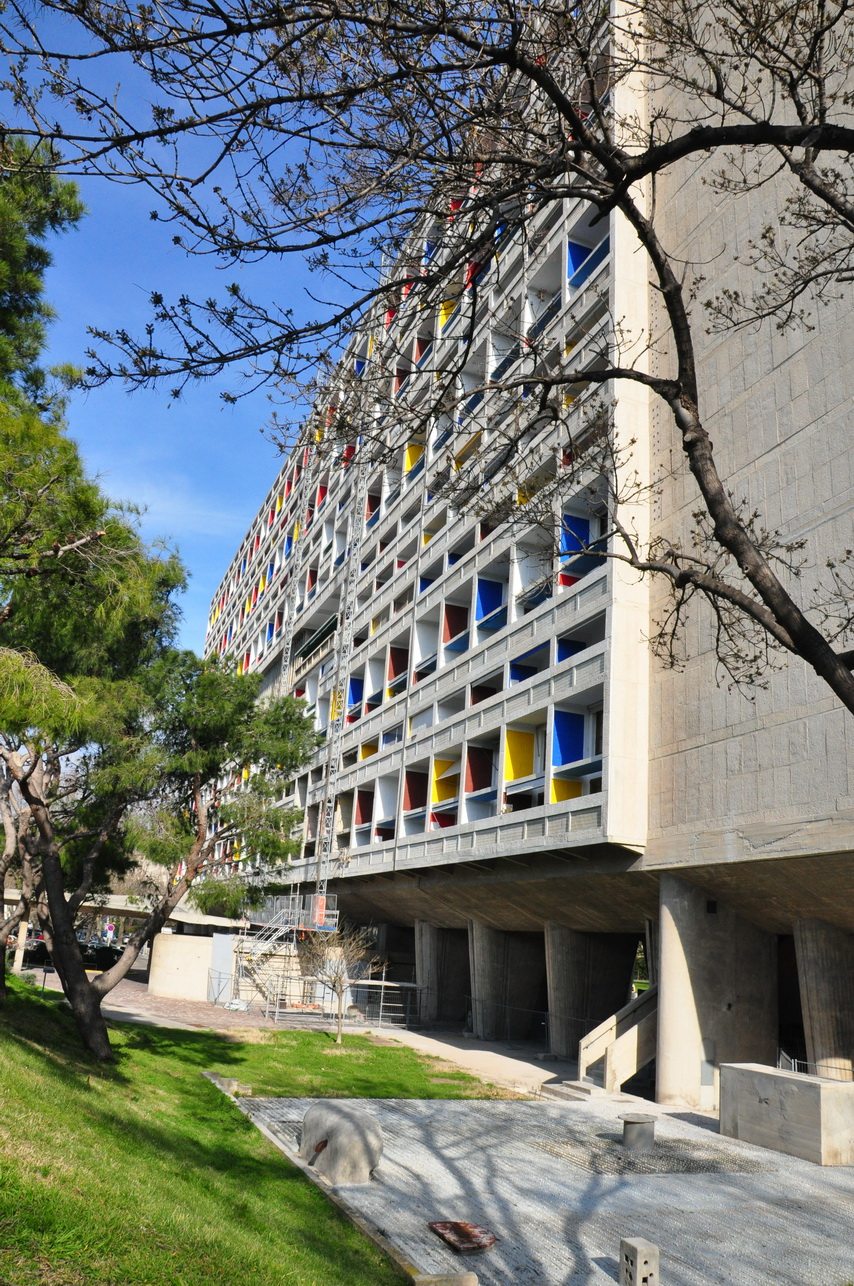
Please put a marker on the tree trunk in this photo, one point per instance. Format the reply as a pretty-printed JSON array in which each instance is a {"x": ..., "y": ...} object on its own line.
[
  {"x": 340, "y": 994},
  {"x": 68, "y": 960}
]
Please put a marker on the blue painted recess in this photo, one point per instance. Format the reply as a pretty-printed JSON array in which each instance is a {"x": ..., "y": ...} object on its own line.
[
  {"x": 355, "y": 689},
  {"x": 489, "y": 593},
  {"x": 518, "y": 673},
  {"x": 270, "y": 628},
  {"x": 577, "y": 252},
  {"x": 424, "y": 582},
  {"x": 568, "y": 647},
  {"x": 568, "y": 740},
  {"x": 574, "y": 535}
]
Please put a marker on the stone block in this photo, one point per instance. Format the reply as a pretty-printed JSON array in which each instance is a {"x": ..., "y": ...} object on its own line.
[
  {"x": 343, "y": 1143},
  {"x": 803, "y": 1116},
  {"x": 639, "y": 1262}
]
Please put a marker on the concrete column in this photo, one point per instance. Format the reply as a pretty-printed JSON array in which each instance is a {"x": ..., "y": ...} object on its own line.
[
  {"x": 825, "y": 957},
  {"x": 488, "y": 964},
  {"x": 442, "y": 973},
  {"x": 589, "y": 975},
  {"x": 427, "y": 970},
  {"x": 717, "y": 994}
]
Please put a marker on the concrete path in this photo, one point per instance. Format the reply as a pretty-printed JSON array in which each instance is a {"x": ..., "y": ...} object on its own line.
[
  {"x": 552, "y": 1183},
  {"x": 513, "y": 1066}
]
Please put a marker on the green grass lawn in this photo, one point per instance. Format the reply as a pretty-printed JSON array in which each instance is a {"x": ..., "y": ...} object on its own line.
[{"x": 145, "y": 1173}]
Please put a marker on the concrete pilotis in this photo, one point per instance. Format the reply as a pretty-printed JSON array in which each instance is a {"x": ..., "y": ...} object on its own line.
[
  {"x": 427, "y": 970},
  {"x": 488, "y": 963},
  {"x": 717, "y": 994},
  {"x": 825, "y": 957},
  {"x": 588, "y": 976}
]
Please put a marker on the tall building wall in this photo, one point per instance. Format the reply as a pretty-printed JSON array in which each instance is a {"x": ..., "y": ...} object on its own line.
[{"x": 777, "y": 406}]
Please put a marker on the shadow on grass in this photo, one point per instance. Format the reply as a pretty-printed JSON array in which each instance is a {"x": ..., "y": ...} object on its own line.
[{"x": 44, "y": 1025}]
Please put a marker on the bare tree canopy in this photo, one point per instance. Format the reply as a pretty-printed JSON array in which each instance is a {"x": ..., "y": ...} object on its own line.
[{"x": 359, "y": 137}]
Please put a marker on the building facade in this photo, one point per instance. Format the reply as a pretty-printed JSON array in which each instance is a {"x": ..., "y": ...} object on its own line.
[{"x": 508, "y": 781}]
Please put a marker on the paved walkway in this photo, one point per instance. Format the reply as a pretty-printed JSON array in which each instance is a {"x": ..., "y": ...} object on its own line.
[
  {"x": 551, "y": 1181},
  {"x": 131, "y": 1002}
]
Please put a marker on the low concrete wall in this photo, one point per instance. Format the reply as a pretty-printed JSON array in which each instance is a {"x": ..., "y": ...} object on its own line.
[
  {"x": 179, "y": 966},
  {"x": 804, "y": 1116}
]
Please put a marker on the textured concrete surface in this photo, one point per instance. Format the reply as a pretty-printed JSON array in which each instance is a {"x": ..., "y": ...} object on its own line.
[{"x": 741, "y": 1217}]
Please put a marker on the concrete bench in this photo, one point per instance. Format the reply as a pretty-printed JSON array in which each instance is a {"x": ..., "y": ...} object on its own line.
[{"x": 804, "y": 1116}]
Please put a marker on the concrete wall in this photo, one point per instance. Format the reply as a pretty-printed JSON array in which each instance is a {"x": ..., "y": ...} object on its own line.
[
  {"x": 803, "y": 1116},
  {"x": 180, "y": 964},
  {"x": 778, "y": 410},
  {"x": 717, "y": 995}
]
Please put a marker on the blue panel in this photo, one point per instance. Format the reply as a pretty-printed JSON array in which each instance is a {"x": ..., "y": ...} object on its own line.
[
  {"x": 488, "y": 600},
  {"x": 424, "y": 582},
  {"x": 359, "y": 365},
  {"x": 574, "y": 534},
  {"x": 568, "y": 647},
  {"x": 577, "y": 253},
  {"x": 568, "y": 741},
  {"x": 519, "y": 672},
  {"x": 270, "y": 629},
  {"x": 355, "y": 688},
  {"x": 289, "y": 544}
]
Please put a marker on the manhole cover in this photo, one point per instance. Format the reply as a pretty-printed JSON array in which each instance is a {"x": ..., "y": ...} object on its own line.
[{"x": 604, "y": 1154}]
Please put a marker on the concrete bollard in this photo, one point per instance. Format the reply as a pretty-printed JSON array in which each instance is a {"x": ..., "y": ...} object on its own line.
[
  {"x": 638, "y": 1132},
  {"x": 639, "y": 1262},
  {"x": 341, "y": 1142}
]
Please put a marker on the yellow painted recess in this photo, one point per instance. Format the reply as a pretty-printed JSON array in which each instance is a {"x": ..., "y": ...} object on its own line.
[
  {"x": 562, "y": 790},
  {"x": 367, "y": 749},
  {"x": 333, "y": 707},
  {"x": 465, "y": 451},
  {"x": 279, "y": 503},
  {"x": 370, "y": 345},
  {"x": 446, "y": 310},
  {"x": 414, "y": 452},
  {"x": 444, "y": 788},
  {"x": 428, "y": 536},
  {"x": 244, "y": 776},
  {"x": 519, "y": 755},
  {"x": 296, "y": 531}
]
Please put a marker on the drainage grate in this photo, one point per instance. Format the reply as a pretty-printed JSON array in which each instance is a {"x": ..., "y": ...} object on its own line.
[{"x": 604, "y": 1154}]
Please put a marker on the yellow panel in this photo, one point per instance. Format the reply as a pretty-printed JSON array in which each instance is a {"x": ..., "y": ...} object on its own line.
[
  {"x": 333, "y": 708},
  {"x": 367, "y": 749},
  {"x": 562, "y": 790},
  {"x": 244, "y": 776},
  {"x": 428, "y": 536},
  {"x": 446, "y": 310},
  {"x": 296, "y": 531},
  {"x": 279, "y": 503},
  {"x": 444, "y": 788},
  {"x": 519, "y": 755},
  {"x": 466, "y": 451},
  {"x": 414, "y": 452}
]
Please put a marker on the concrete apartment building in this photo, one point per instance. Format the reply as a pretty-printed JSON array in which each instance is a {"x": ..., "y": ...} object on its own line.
[{"x": 521, "y": 793}]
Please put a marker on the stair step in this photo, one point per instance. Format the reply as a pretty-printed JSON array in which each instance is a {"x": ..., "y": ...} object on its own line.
[{"x": 578, "y": 1090}]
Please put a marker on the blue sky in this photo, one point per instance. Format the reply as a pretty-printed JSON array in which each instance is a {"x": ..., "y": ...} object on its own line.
[{"x": 200, "y": 467}]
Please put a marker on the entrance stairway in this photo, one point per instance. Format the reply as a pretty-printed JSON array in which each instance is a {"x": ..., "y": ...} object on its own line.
[{"x": 622, "y": 1045}]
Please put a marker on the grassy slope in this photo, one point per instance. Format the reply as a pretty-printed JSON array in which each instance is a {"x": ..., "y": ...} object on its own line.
[{"x": 145, "y": 1173}]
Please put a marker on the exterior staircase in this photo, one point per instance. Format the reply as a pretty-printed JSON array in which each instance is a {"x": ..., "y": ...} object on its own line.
[{"x": 622, "y": 1045}]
